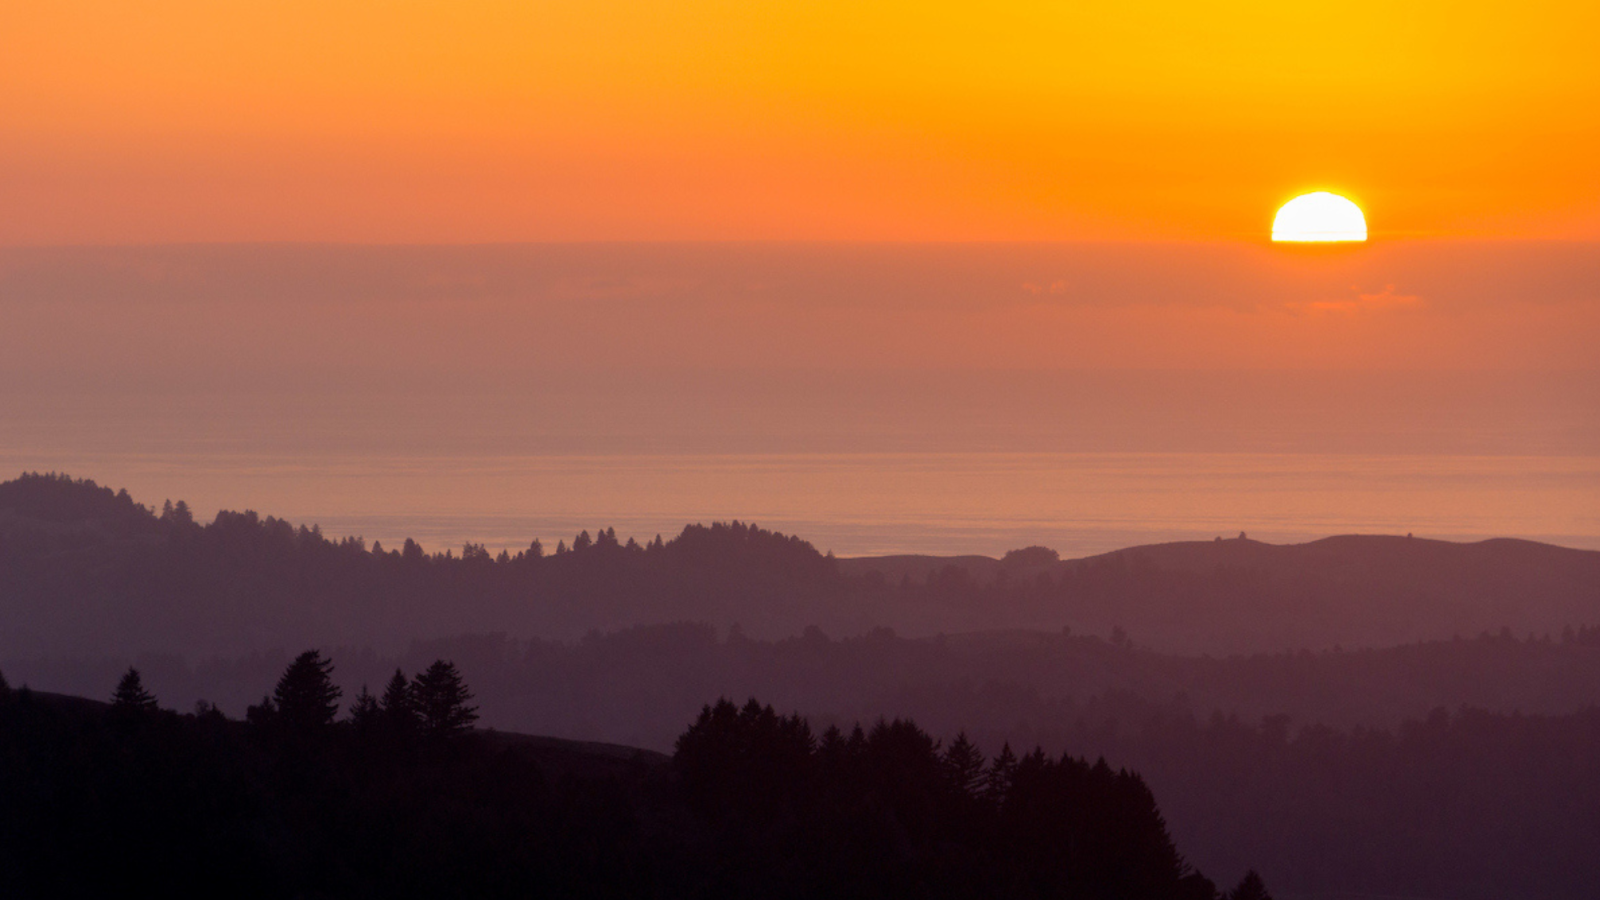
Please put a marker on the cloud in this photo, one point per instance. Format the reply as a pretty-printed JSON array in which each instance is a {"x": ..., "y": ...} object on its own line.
[
  {"x": 1058, "y": 287},
  {"x": 1382, "y": 301}
]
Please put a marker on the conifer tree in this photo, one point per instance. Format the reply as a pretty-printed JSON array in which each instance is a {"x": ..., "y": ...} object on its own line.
[
  {"x": 1250, "y": 888},
  {"x": 364, "y": 712},
  {"x": 5, "y": 689},
  {"x": 831, "y": 749},
  {"x": 441, "y": 701},
  {"x": 399, "y": 704},
  {"x": 997, "y": 783},
  {"x": 963, "y": 766},
  {"x": 131, "y": 696},
  {"x": 306, "y": 698}
]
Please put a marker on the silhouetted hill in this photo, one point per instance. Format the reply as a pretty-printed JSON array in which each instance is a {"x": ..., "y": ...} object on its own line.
[
  {"x": 59, "y": 504},
  {"x": 132, "y": 799},
  {"x": 72, "y": 583},
  {"x": 560, "y": 758},
  {"x": 918, "y": 568},
  {"x": 1240, "y": 595},
  {"x": 556, "y": 757},
  {"x": 636, "y": 686},
  {"x": 1458, "y": 806},
  {"x": 86, "y": 571}
]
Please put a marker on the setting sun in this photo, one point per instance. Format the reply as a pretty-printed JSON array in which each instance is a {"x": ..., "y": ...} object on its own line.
[{"x": 1319, "y": 217}]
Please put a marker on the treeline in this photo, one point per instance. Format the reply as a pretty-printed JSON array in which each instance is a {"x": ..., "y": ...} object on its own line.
[
  {"x": 1465, "y": 803},
  {"x": 87, "y": 570},
  {"x": 402, "y": 799},
  {"x": 886, "y": 812},
  {"x": 638, "y": 685},
  {"x": 84, "y": 569},
  {"x": 1456, "y": 805}
]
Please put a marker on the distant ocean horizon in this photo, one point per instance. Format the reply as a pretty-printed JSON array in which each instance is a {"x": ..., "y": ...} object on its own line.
[
  {"x": 870, "y": 398},
  {"x": 867, "y": 504}
]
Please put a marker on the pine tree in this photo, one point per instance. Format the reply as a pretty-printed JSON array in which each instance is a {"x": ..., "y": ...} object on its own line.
[
  {"x": 5, "y": 689},
  {"x": 306, "y": 697},
  {"x": 364, "y": 712},
  {"x": 441, "y": 700},
  {"x": 1250, "y": 888},
  {"x": 831, "y": 750},
  {"x": 997, "y": 783},
  {"x": 399, "y": 704},
  {"x": 131, "y": 696},
  {"x": 963, "y": 766}
]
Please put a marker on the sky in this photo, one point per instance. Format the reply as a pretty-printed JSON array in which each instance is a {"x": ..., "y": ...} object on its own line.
[
  {"x": 255, "y": 254},
  {"x": 154, "y": 121},
  {"x": 261, "y": 315}
]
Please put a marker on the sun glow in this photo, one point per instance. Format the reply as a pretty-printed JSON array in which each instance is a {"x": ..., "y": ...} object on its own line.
[{"x": 1320, "y": 217}]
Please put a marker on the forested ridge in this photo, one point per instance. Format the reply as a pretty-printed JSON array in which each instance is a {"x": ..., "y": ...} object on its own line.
[
  {"x": 1459, "y": 768},
  {"x": 1457, "y": 802},
  {"x": 88, "y": 570},
  {"x": 401, "y": 798}
]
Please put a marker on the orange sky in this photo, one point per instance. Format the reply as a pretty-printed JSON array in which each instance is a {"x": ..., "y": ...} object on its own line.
[{"x": 421, "y": 120}]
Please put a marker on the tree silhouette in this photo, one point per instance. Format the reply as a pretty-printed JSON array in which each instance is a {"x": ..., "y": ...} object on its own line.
[
  {"x": 963, "y": 766},
  {"x": 1030, "y": 556},
  {"x": 306, "y": 697},
  {"x": 131, "y": 696},
  {"x": 997, "y": 783},
  {"x": 5, "y": 689},
  {"x": 364, "y": 712},
  {"x": 441, "y": 701},
  {"x": 261, "y": 714},
  {"x": 399, "y": 704},
  {"x": 1250, "y": 888}
]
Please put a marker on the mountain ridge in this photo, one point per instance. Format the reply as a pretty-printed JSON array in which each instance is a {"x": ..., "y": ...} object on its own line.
[{"x": 86, "y": 569}]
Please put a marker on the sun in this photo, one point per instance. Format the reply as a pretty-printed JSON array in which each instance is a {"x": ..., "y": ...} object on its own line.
[{"x": 1320, "y": 217}]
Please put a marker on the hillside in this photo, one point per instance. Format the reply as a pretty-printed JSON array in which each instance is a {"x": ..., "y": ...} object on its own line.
[
  {"x": 395, "y": 802},
  {"x": 1240, "y": 595},
  {"x": 85, "y": 570},
  {"x": 1453, "y": 806}
]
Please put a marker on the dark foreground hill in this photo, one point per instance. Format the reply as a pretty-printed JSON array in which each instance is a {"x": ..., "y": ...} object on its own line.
[
  {"x": 84, "y": 570},
  {"x": 133, "y": 800},
  {"x": 1464, "y": 806}
]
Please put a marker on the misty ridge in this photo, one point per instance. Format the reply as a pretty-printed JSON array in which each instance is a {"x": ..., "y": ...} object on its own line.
[
  {"x": 1366, "y": 715},
  {"x": 90, "y": 571}
]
